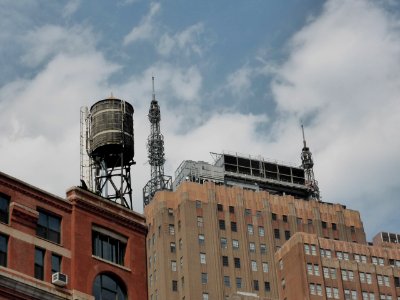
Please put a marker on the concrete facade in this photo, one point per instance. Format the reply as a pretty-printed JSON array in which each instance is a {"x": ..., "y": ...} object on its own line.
[
  {"x": 84, "y": 219},
  {"x": 210, "y": 241}
]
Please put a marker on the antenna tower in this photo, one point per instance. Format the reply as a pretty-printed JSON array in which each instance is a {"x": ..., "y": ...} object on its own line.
[
  {"x": 307, "y": 163},
  {"x": 156, "y": 155}
]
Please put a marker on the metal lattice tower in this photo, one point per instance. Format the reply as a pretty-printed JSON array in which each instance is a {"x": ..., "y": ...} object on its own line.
[
  {"x": 156, "y": 155},
  {"x": 308, "y": 164}
]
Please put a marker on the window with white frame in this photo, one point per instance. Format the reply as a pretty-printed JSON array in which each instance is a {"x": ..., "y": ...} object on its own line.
[
  {"x": 250, "y": 229},
  {"x": 235, "y": 244},
  {"x": 265, "y": 267},
  {"x": 254, "y": 265},
  {"x": 261, "y": 231},
  {"x": 202, "y": 258},
  {"x": 252, "y": 247},
  {"x": 173, "y": 265}
]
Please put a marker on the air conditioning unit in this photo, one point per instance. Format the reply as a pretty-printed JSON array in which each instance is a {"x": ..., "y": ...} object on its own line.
[{"x": 59, "y": 279}]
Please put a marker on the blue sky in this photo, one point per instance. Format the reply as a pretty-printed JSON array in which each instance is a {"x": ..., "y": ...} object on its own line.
[{"x": 230, "y": 76}]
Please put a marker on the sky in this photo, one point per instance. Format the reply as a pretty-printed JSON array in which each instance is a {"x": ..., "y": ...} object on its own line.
[{"x": 238, "y": 76}]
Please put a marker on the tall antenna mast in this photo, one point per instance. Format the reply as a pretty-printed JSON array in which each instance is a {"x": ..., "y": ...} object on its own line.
[
  {"x": 307, "y": 163},
  {"x": 156, "y": 155}
]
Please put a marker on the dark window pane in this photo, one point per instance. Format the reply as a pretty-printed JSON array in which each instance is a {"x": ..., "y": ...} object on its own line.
[
  {"x": 3, "y": 250},
  {"x": 108, "y": 248},
  {"x": 55, "y": 263},
  {"x": 49, "y": 227},
  {"x": 4, "y": 208},
  {"x": 106, "y": 287},
  {"x": 39, "y": 263}
]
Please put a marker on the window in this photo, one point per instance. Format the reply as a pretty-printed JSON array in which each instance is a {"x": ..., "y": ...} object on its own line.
[
  {"x": 313, "y": 250},
  {"x": 108, "y": 287},
  {"x": 325, "y": 253},
  {"x": 267, "y": 286},
  {"x": 171, "y": 229},
  {"x": 220, "y": 207},
  {"x": 55, "y": 263},
  {"x": 202, "y": 258},
  {"x": 235, "y": 244},
  {"x": 284, "y": 218},
  {"x": 173, "y": 265},
  {"x": 281, "y": 264},
  {"x": 221, "y": 224},
  {"x": 231, "y": 209},
  {"x": 307, "y": 249},
  {"x": 397, "y": 282},
  {"x": 204, "y": 278},
  {"x": 328, "y": 291},
  {"x": 252, "y": 247},
  {"x": 170, "y": 212},
  {"x": 237, "y": 262},
  {"x": 273, "y": 216},
  {"x": 299, "y": 221},
  {"x": 48, "y": 227},
  {"x": 172, "y": 247},
  {"x": 263, "y": 248},
  {"x": 335, "y": 293},
  {"x": 261, "y": 231},
  {"x": 247, "y": 212},
  {"x": 174, "y": 285},
  {"x": 225, "y": 261},
  {"x": 265, "y": 267},
  {"x": 201, "y": 239},
  {"x": 254, "y": 265},
  {"x": 205, "y": 296},
  {"x": 198, "y": 204},
  {"x": 180, "y": 244},
  {"x": 258, "y": 214},
  {"x": 4, "y": 208},
  {"x": 39, "y": 263},
  {"x": 3, "y": 250},
  {"x": 199, "y": 221},
  {"x": 250, "y": 229},
  {"x": 233, "y": 226},
  {"x": 334, "y": 227},
  {"x": 238, "y": 282},
  {"x": 227, "y": 281},
  {"x": 255, "y": 285},
  {"x": 224, "y": 243},
  {"x": 287, "y": 234},
  {"x": 181, "y": 262},
  {"x": 276, "y": 233},
  {"x": 309, "y": 222},
  {"x": 324, "y": 225},
  {"x": 108, "y": 245}
]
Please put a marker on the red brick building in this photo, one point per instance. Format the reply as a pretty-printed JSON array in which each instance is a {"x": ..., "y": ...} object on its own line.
[{"x": 100, "y": 246}]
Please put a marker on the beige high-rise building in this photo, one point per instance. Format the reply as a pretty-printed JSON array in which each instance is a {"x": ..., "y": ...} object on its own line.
[{"x": 216, "y": 234}]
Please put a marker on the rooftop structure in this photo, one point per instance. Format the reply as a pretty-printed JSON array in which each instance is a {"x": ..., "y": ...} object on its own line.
[{"x": 255, "y": 173}]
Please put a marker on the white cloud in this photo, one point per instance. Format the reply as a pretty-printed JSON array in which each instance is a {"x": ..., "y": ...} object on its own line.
[
  {"x": 145, "y": 29},
  {"x": 44, "y": 42},
  {"x": 343, "y": 74},
  {"x": 185, "y": 42},
  {"x": 71, "y": 7}
]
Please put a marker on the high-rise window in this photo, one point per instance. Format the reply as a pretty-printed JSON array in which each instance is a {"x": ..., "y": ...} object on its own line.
[
  {"x": 39, "y": 263},
  {"x": 49, "y": 226},
  {"x": 173, "y": 265},
  {"x": 174, "y": 285},
  {"x": 253, "y": 265},
  {"x": 255, "y": 285},
  {"x": 55, "y": 263},
  {"x": 263, "y": 248},
  {"x": 227, "y": 281},
  {"x": 224, "y": 243},
  {"x": 202, "y": 258},
  {"x": 204, "y": 278},
  {"x": 171, "y": 229},
  {"x": 261, "y": 231},
  {"x": 4, "y": 208},
  {"x": 247, "y": 212},
  {"x": 276, "y": 233},
  {"x": 265, "y": 267},
  {"x": 273, "y": 216},
  {"x": 284, "y": 218},
  {"x": 235, "y": 244},
  {"x": 201, "y": 239},
  {"x": 250, "y": 229},
  {"x": 287, "y": 234},
  {"x": 238, "y": 282},
  {"x": 234, "y": 226},
  {"x": 205, "y": 296},
  {"x": 221, "y": 224},
  {"x": 231, "y": 209},
  {"x": 199, "y": 221},
  {"x": 237, "y": 262},
  {"x": 172, "y": 247},
  {"x": 225, "y": 261},
  {"x": 108, "y": 245},
  {"x": 198, "y": 204},
  {"x": 252, "y": 247},
  {"x": 267, "y": 286},
  {"x": 3, "y": 250},
  {"x": 220, "y": 207}
]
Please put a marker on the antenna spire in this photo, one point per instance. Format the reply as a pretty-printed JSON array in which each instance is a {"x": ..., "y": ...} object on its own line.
[
  {"x": 156, "y": 156},
  {"x": 154, "y": 93},
  {"x": 307, "y": 163},
  {"x": 304, "y": 139}
]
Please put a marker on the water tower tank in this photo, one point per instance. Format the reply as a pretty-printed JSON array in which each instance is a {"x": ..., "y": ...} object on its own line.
[{"x": 111, "y": 131}]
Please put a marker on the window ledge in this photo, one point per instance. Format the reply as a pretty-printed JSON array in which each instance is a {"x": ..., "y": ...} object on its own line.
[{"x": 111, "y": 263}]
